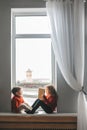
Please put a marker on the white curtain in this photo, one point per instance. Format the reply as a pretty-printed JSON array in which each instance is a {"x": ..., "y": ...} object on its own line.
[{"x": 67, "y": 33}]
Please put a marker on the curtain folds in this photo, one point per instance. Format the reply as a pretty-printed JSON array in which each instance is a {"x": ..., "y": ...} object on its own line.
[{"x": 67, "y": 33}]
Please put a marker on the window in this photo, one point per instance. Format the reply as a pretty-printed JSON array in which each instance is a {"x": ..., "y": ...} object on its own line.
[{"x": 31, "y": 50}]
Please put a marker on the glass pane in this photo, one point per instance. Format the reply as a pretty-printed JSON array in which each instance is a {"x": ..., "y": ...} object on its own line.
[
  {"x": 33, "y": 60},
  {"x": 32, "y": 25}
]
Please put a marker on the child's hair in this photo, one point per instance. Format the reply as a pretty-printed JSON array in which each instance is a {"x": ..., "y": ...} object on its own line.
[
  {"x": 52, "y": 90},
  {"x": 15, "y": 89}
]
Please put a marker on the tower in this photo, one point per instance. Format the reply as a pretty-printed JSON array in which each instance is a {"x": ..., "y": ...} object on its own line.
[{"x": 29, "y": 75}]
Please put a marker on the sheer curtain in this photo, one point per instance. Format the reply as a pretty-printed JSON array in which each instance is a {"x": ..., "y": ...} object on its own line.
[{"x": 67, "y": 33}]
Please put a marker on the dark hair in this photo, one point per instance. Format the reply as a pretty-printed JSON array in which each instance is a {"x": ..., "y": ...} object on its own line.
[
  {"x": 52, "y": 90},
  {"x": 15, "y": 89}
]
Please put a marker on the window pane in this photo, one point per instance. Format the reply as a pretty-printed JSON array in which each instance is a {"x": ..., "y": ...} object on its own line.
[
  {"x": 33, "y": 60},
  {"x": 32, "y": 25}
]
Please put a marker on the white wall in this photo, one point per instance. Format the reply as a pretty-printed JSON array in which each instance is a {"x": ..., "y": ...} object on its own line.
[
  {"x": 67, "y": 97},
  {"x": 5, "y": 62}
]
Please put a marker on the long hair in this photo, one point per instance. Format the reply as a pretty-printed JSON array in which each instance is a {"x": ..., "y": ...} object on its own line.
[{"x": 52, "y": 90}]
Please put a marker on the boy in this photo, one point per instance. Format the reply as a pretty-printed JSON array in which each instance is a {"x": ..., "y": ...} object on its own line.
[{"x": 17, "y": 102}]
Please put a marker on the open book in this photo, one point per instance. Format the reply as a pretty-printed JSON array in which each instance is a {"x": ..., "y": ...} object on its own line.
[{"x": 41, "y": 91}]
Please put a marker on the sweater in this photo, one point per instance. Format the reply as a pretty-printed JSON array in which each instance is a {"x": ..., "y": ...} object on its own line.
[
  {"x": 51, "y": 101},
  {"x": 16, "y": 102}
]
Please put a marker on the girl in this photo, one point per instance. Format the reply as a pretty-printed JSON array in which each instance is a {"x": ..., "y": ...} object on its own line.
[{"x": 48, "y": 101}]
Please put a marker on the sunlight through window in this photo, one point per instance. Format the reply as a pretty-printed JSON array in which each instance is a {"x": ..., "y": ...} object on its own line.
[{"x": 31, "y": 51}]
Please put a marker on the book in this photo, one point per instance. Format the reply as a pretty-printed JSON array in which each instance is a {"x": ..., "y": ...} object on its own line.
[{"x": 41, "y": 92}]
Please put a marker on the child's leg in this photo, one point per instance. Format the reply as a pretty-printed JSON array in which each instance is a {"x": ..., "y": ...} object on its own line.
[
  {"x": 23, "y": 107},
  {"x": 38, "y": 103}
]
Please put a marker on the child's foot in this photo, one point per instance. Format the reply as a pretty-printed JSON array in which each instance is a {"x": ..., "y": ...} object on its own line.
[{"x": 29, "y": 112}]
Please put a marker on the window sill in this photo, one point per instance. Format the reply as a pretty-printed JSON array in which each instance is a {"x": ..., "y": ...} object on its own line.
[{"x": 57, "y": 121}]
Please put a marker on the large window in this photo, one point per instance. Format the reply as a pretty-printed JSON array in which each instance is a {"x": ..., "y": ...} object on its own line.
[{"x": 31, "y": 50}]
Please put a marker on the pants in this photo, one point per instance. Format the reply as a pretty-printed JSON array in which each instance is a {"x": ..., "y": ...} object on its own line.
[
  {"x": 24, "y": 107},
  {"x": 44, "y": 106}
]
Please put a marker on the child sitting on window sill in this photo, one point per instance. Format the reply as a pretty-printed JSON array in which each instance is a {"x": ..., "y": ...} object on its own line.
[
  {"x": 48, "y": 101},
  {"x": 18, "y": 105}
]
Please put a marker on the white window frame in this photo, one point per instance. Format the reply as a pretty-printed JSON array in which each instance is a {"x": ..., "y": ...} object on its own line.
[{"x": 26, "y": 12}]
